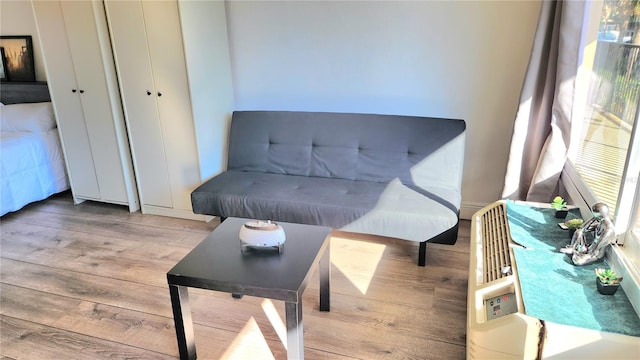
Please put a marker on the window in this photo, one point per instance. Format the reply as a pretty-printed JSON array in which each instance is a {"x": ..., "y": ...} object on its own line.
[
  {"x": 605, "y": 160},
  {"x": 633, "y": 237},
  {"x": 612, "y": 103}
]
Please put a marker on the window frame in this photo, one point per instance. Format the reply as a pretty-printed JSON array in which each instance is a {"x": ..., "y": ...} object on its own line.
[{"x": 624, "y": 256}]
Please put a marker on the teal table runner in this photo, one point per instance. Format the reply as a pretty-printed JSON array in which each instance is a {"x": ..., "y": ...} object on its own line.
[{"x": 555, "y": 290}]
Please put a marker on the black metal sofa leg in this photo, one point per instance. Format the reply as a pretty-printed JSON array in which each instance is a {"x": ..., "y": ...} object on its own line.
[
  {"x": 422, "y": 254},
  {"x": 449, "y": 237}
]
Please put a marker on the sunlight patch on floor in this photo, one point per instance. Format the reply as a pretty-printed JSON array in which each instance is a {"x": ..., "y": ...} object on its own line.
[
  {"x": 357, "y": 260},
  {"x": 275, "y": 320},
  {"x": 249, "y": 342}
]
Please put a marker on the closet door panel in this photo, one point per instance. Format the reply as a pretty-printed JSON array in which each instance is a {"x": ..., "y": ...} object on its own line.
[
  {"x": 67, "y": 105},
  {"x": 91, "y": 78},
  {"x": 164, "y": 37},
  {"x": 128, "y": 33}
]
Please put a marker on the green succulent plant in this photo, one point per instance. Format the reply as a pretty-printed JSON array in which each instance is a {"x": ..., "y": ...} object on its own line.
[
  {"x": 558, "y": 203},
  {"x": 608, "y": 276},
  {"x": 573, "y": 223}
]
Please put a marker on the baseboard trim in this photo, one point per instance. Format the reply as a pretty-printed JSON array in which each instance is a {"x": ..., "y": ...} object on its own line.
[
  {"x": 176, "y": 213},
  {"x": 467, "y": 209}
]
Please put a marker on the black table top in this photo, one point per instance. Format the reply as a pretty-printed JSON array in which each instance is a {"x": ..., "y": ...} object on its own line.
[{"x": 218, "y": 263}]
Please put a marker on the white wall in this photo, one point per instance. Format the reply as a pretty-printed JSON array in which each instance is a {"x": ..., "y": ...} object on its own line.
[
  {"x": 449, "y": 59},
  {"x": 457, "y": 59},
  {"x": 206, "y": 47},
  {"x": 16, "y": 18}
]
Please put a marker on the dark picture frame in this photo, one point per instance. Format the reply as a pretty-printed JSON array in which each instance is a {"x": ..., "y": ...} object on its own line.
[
  {"x": 17, "y": 58},
  {"x": 3, "y": 73}
]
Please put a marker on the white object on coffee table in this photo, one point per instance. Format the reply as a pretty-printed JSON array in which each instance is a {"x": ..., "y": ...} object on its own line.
[{"x": 262, "y": 234}]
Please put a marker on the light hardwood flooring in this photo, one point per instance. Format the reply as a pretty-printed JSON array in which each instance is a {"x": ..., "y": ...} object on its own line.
[{"x": 88, "y": 281}]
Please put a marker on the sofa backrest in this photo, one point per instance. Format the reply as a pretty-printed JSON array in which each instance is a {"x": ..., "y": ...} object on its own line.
[{"x": 415, "y": 150}]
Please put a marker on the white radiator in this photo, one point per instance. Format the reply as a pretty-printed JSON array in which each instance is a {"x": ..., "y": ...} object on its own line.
[{"x": 497, "y": 325}]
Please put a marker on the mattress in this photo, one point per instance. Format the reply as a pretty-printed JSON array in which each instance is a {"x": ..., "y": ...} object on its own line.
[{"x": 32, "y": 168}]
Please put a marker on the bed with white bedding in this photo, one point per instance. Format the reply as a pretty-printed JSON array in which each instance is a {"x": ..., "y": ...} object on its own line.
[{"x": 32, "y": 165}]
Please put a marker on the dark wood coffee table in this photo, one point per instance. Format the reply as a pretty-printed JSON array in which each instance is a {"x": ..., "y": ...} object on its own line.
[{"x": 218, "y": 263}]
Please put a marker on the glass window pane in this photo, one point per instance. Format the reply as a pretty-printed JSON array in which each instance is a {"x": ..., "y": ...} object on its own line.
[
  {"x": 635, "y": 221},
  {"x": 632, "y": 242},
  {"x": 613, "y": 100}
]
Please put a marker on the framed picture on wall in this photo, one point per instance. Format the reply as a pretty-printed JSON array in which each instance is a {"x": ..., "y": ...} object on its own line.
[
  {"x": 18, "y": 58},
  {"x": 3, "y": 73}
]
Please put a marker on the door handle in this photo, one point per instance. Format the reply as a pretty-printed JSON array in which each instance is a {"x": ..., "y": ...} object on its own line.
[
  {"x": 81, "y": 91},
  {"x": 73, "y": 90},
  {"x": 148, "y": 92},
  {"x": 159, "y": 93}
]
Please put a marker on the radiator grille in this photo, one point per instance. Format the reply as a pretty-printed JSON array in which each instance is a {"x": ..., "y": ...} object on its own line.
[{"x": 495, "y": 242}]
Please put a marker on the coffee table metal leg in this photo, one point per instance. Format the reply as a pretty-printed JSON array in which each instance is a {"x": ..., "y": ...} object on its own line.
[
  {"x": 295, "y": 342},
  {"x": 325, "y": 280},
  {"x": 182, "y": 319}
]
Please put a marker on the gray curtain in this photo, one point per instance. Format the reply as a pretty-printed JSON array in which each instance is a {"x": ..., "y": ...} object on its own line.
[{"x": 542, "y": 128}]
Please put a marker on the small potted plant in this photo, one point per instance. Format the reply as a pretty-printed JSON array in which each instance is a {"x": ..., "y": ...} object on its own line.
[
  {"x": 607, "y": 281},
  {"x": 572, "y": 225},
  {"x": 560, "y": 205}
]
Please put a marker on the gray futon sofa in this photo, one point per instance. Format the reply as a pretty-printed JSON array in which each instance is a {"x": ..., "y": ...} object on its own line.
[{"x": 394, "y": 176}]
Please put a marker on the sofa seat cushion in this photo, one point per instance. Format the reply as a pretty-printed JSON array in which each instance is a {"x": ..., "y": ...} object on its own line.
[{"x": 390, "y": 209}]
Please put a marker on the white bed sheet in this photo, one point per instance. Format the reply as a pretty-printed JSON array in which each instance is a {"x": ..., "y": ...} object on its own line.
[{"x": 32, "y": 168}]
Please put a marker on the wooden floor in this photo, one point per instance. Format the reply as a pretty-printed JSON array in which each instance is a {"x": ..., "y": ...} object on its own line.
[{"x": 88, "y": 281}]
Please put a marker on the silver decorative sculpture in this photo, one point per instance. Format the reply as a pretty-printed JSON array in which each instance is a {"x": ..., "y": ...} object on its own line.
[{"x": 599, "y": 228}]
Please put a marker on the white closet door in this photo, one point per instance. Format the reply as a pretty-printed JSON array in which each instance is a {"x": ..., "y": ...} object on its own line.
[
  {"x": 128, "y": 33},
  {"x": 92, "y": 85},
  {"x": 68, "y": 108},
  {"x": 164, "y": 36}
]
